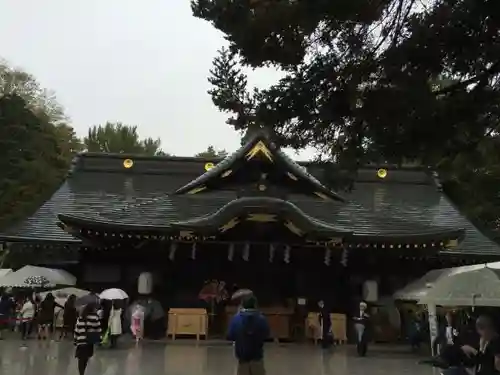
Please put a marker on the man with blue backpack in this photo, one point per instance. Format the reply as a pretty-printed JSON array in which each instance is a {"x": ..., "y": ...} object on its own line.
[{"x": 249, "y": 330}]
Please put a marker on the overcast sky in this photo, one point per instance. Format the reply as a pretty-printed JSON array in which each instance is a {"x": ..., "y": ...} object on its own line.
[{"x": 138, "y": 62}]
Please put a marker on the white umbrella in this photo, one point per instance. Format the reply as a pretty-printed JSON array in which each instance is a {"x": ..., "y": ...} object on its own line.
[
  {"x": 22, "y": 277},
  {"x": 64, "y": 293},
  {"x": 477, "y": 285},
  {"x": 241, "y": 293},
  {"x": 113, "y": 293}
]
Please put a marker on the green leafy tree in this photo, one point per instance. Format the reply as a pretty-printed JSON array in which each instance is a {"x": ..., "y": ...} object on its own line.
[
  {"x": 359, "y": 76},
  {"x": 36, "y": 144},
  {"x": 69, "y": 142},
  {"x": 32, "y": 162},
  {"x": 370, "y": 80},
  {"x": 211, "y": 152},
  {"x": 38, "y": 99},
  {"x": 120, "y": 138}
]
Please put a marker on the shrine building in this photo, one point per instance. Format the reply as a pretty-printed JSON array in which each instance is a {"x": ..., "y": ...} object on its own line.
[{"x": 256, "y": 219}]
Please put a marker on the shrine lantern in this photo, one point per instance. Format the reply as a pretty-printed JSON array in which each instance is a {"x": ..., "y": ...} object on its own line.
[
  {"x": 370, "y": 291},
  {"x": 145, "y": 283}
]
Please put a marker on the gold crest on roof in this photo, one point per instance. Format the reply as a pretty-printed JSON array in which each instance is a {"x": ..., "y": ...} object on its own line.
[
  {"x": 382, "y": 173},
  {"x": 128, "y": 163},
  {"x": 260, "y": 148}
]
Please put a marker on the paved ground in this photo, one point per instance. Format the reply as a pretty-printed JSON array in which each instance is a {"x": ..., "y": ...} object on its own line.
[{"x": 53, "y": 358}]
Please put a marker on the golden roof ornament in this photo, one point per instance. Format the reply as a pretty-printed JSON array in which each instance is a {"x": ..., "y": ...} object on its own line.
[
  {"x": 382, "y": 173},
  {"x": 128, "y": 163}
]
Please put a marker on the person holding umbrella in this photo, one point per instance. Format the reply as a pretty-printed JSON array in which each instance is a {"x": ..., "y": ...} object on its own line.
[{"x": 115, "y": 323}]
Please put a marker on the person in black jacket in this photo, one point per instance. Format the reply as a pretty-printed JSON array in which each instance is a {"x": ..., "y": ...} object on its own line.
[
  {"x": 448, "y": 334},
  {"x": 361, "y": 321},
  {"x": 325, "y": 323},
  {"x": 249, "y": 330},
  {"x": 486, "y": 354}
]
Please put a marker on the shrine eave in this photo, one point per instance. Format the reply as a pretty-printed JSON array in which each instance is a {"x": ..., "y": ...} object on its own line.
[
  {"x": 248, "y": 210},
  {"x": 72, "y": 222},
  {"x": 259, "y": 145},
  {"x": 245, "y": 210},
  {"x": 261, "y": 210},
  {"x": 438, "y": 239},
  {"x": 22, "y": 239}
]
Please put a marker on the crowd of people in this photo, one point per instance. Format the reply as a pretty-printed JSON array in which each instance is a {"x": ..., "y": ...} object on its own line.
[
  {"x": 33, "y": 315},
  {"x": 464, "y": 344},
  {"x": 467, "y": 345},
  {"x": 94, "y": 322}
]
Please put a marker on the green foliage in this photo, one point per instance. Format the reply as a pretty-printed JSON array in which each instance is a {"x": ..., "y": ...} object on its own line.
[
  {"x": 211, "y": 152},
  {"x": 474, "y": 182},
  {"x": 69, "y": 142},
  {"x": 369, "y": 80},
  {"x": 32, "y": 162},
  {"x": 360, "y": 72},
  {"x": 38, "y": 99},
  {"x": 36, "y": 145},
  {"x": 119, "y": 138}
]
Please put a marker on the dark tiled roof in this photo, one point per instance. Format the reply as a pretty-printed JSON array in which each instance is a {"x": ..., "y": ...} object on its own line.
[{"x": 408, "y": 203}]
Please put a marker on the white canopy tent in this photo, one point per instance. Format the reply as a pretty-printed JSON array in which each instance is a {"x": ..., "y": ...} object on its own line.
[
  {"x": 416, "y": 290},
  {"x": 54, "y": 277},
  {"x": 477, "y": 285},
  {"x": 5, "y": 271}
]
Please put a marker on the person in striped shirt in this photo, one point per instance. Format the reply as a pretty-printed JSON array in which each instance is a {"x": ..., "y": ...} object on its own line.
[{"x": 87, "y": 334}]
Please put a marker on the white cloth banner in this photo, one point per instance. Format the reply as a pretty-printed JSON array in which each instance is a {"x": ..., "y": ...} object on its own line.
[{"x": 433, "y": 326}]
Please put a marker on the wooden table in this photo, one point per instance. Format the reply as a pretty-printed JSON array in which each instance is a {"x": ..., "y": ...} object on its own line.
[
  {"x": 278, "y": 318},
  {"x": 338, "y": 329},
  {"x": 193, "y": 322}
]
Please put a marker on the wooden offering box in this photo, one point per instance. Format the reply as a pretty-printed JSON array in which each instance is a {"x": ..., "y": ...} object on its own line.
[
  {"x": 277, "y": 317},
  {"x": 339, "y": 327},
  {"x": 193, "y": 322}
]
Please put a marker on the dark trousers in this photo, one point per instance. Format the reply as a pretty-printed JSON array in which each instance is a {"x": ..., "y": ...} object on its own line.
[
  {"x": 82, "y": 365},
  {"x": 25, "y": 329},
  {"x": 455, "y": 357},
  {"x": 326, "y": 343},
  {"x": 362, "y": 346},
  {"x": 251, "y": 368},
  {"x": 326, "y": 340},
  {"x": 113, "y": 340},
  {"x": 415, "y": 340}
]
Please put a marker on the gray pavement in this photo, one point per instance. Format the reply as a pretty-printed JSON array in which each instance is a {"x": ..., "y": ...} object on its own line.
[{"x": 54, "y": 358}]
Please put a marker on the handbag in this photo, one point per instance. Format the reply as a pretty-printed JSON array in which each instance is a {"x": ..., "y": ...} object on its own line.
[
  {"x": 92, "y": 338},
  {"x": 105, "y": 339}
]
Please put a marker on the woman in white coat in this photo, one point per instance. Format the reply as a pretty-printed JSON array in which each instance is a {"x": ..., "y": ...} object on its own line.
[{"x": 115, "y": 323}]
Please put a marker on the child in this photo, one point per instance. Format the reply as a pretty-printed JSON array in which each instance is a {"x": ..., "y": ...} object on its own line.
[{"x": 138, "y": 323}]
